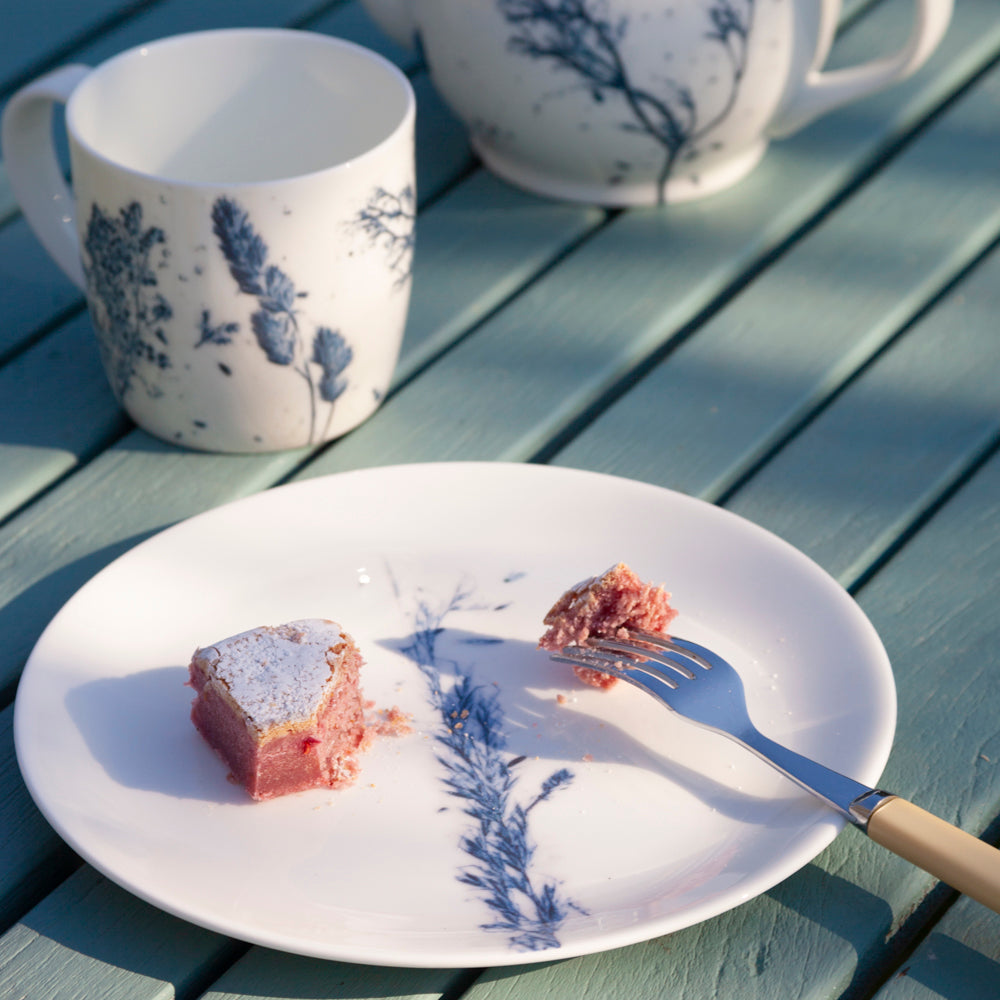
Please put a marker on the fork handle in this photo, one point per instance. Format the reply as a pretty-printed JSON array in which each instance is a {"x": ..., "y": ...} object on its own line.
[{"x": 966, "y": 863}]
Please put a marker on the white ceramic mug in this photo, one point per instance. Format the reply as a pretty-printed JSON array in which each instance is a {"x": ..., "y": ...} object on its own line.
[
  {"x": 627, "y": 102},
  {"x": 241, "y": 218}
]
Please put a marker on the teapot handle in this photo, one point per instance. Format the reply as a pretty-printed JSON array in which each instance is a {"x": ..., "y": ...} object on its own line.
[{"x": 823, "y": 91}]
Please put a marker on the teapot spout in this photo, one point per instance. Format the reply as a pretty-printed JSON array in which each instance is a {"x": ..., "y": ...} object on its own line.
[{"x": 395, "y": 18}]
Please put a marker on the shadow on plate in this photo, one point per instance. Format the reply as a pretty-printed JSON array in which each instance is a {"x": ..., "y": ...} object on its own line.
[
  {"x": 138, "y": 729},
  {"x": 502, "y": 694}
]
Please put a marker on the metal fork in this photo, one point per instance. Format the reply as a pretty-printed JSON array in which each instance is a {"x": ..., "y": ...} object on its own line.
[{"x": 705, "y": 689}]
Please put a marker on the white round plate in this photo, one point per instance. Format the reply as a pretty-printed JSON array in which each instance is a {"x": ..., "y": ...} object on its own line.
[{"x": 556, "y": 820}]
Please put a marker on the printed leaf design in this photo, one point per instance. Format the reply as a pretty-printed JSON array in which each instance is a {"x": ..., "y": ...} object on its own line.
[
  {"x": 121, "y": 282},
  {"x": 333, "y": 354},
  {"x": 581, "y": 37},
  {"x": 477, "y": 771},
  {"x": 279, "y": 292},
  {"x": 245, "y": 251},
  {"x": 276, "y": 334},
  {"x": 274, "y": 323}
]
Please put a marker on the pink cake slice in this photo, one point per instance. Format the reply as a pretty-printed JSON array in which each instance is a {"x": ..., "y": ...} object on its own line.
[
  {"x": 282, "y": 706},
  {"x": 609, "y": 606}
]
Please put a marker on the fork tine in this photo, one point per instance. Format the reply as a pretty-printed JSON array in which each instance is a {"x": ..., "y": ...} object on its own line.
[
  {"x": 654, "y": 656},
  {"x": 701, "y": 655},
  {"x": 659, "y": 653},
  {"x": 608, "y": 662}
]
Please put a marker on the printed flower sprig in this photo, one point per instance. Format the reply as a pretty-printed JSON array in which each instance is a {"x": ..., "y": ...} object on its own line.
[
  {"x": 275, "y": 322},
  {"x": 122, "y": 285}
]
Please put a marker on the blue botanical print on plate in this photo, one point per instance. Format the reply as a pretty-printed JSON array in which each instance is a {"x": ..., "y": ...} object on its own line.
[
  {"x": 585, "y": 38},
  {"x": 478, "y": 770},
  {"x": 118, "y": 263}
]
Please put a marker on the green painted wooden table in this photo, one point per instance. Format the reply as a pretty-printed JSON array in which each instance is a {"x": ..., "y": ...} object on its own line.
[{"x": 816, "y": 350}]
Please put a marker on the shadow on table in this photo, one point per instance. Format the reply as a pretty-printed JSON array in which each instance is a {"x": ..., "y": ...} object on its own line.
[
  {"x": 836, "y": 904},
  {"x": 952, "y": 969},
  {"x": 942, "y": 964}
]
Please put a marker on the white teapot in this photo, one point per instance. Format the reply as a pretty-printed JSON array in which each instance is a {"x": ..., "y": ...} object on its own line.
[{"x": 626, "y": 102}]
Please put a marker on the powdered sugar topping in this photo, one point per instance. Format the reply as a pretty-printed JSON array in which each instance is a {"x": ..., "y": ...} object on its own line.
[{"x": 279, "y": 673}]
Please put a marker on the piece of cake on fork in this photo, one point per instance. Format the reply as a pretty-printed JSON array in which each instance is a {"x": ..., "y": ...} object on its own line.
[
  {"x": 611, "y": 606},
  {"x": 282, "y": 706}
]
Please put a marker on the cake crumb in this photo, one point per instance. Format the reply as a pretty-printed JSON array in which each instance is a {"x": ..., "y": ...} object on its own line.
[{"x": 390, "y": 722}]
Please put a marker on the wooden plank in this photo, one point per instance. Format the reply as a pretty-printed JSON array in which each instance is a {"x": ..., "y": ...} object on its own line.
[
  {"x": 33, "y": 860},
  {"x": 530, "y": 374},
  {"x": 263, "y": 973},
  {"x": 351, "y": 21},
  {"x": 958, "y": 959},
  {"x": 91, "y": 939},
  {"x": 33, "y": 31},
  {"x": 443, "y": 151},
  {"x": 61, "y": 379},
  {"x": 727, "y": 397},
  {"x": 129, "y": 492},
  {"x": 733, "y": 971},
  {"x": 872, "y": 466},
  {"x": 37, "y": 293},
  {"x": 476, "y": 249}
]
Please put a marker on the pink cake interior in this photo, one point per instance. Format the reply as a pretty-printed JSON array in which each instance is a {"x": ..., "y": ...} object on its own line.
[
  {"x": 608, "y": 606},
  {"x": 282, "y": 706}
]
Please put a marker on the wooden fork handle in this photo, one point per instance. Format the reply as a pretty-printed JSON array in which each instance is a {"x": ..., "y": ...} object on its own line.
[{"x": 950, "y": 854}]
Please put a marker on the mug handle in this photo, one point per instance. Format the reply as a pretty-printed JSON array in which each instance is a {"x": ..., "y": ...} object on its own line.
[
  {"x": 33, "y": 169},
  {"x": 821, "y": 92}
]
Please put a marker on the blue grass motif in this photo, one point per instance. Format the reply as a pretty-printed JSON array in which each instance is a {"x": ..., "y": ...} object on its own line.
[
  {"x": 476, "y": 770},
  {"x": 121, "y": 285},
  {"x": 275, "y": 322},
  {"x": 389, "y": 220},
  {"x": 584, "y": 38}
]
